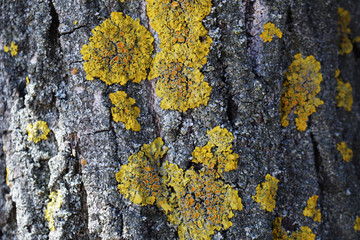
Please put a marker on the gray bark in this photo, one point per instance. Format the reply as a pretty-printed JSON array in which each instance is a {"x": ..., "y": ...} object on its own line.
[{"x": 246, "y": 76}]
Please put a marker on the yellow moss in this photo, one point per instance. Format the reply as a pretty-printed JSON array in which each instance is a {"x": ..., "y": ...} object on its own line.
[
  {"x": 310, "y": 210},
  {"x": 266, "y": 193},
  {"x": 139, "y": 180},
  {"x": 119, "y": 50},
  {"x": 52, "y": 207},
  {"x": 299, "y": 90},
  {"x": 269, "y": 31},
  {"x": 280, "y": 234},
  {"x": 217, "y": 152},
  {"x": 184, "y": 46},
  {"x": 198, "y": 202},
  {"x": 345, "y": 45},
  {"x": 124, "y": 111},
  {"x": 357, "y": 224},
  {"x": 13, "y": 49},
  {"x": 345, "y": 152},
  {"x": 344, "y": 96},
  {"x": 38, "y": 131}
]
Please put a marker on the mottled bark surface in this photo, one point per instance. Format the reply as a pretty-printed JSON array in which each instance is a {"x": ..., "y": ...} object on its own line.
[{"x": 246, "y": 76}]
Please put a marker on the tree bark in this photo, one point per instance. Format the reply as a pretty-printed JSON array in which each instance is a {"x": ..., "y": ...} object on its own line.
[{"x": 85, "y": 147}]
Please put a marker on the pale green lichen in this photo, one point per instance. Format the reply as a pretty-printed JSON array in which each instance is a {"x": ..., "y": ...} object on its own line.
[
  {"x": 270, "y": 31},
  {"x": 344, "y": 96},
  {"x": 310, "y": 210},
  {"x": 184, "y": 46},
  {"x": 37, "y": 131},
  {"x": 280, "y": 234},
  {"x": 300, "y": 90},
  {"x": 119, "y": 50},
  {"x": 266, "y": 193},
  {"x": 52, "y": 207},
  {"x": 197, "y": 201},
  {"x": 345, "y": 152},
  {"x": 13, "y": 49},
  {"x": 124, "y": 110}
]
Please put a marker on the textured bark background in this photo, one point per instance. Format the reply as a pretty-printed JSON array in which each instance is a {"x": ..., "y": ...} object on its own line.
[{"x": 246, "y": 76}]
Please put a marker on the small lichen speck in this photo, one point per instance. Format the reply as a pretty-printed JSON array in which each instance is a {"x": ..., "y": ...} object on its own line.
[
  {"x": 345, "y": 152},
  {"x": 53, "y": 206},
  {"x": 310, "y": 210},
  {"x": 345, "y": 44},
  {"x": 37, "y": 131},
  {"x": 266, "y": 193},
  {"x": 357, "y": 224},
  {"x": 124, "y": 110},
  {"x": 280, "y": 234},
  {"x": 119, "y": 50},
  {"x": 344, "y": 97},
  {"x": 13, "y": 49},
  {"x": 300, "y": 90},
  {"x": 269, "y": 31}
]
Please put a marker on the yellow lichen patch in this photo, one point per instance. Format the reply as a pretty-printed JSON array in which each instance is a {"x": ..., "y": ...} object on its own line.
[
  {"x": 266, "y": 193},
  {"x": 181, "y": 88},
  {"x": 300, "y": 90},
  {"x": 356, "y": 39},
  {"x": 13, "y": 49},
  {"x": 310, "y": 210},
  {"x": 345, "y": 44},
  {"x": 270, "y": 31},
  {"x": 124, "y": 110},
  {"x": 184, "y": 47},
  {"x": 217, "y": 152},
  {"x": 119, "y": 50},
  {"x": 357, "y": 224},
  {"x": 27, "y": 80},
  {"x": 201, "y": 202},
  {"x": 7, "y": 178},
  {"x": 344, "y": 96},
  {"x": 280, "y": 234},
  {"x": 75, "y": 22},
  {"x": 139, "y": 179},
  {"x": 53, "y": 206},
  {"x": 197, "y": 201},
  {"x": 37, "y": 131},
  {"x": 345, "y": 152}
]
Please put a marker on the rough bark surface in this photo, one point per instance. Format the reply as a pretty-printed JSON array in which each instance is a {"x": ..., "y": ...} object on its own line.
[{"x": 246, "y": 76}]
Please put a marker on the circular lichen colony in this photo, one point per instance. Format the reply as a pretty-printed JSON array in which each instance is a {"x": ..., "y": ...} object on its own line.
[{"x": 119, "y": 50}]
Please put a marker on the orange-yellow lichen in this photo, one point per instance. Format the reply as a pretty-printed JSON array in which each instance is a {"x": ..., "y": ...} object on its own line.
[
  {"x": 344, "y": 96},
  {"x": 27, "y": 80},
  {"x": 7, "y": 178},
  {"x": 184, "y": 46},
  {"x": 197, "y": 201},
  {"x": 217, "y": 153},
  {"x": 119, "y": 50},
  {"x": 356, "y": 39},
  {"x": 280, "y": 234},
  {"x": 357, "y": 224},
  {"x": 270, "y": 31},
  {"x": 300, "y": 90},
  {"x": 139, "y": 179},
  {"x": 310, "y": 210},
  {"x": 13, "y": 49},
  {"x": 266, "y": 193},
  {"x": 52, "y": 207},
  {"x": 124, "y": 110},
  {"x": 345, "y": 44},
  {"x": 37, "y": 131},
  {"x": 345, "y": 152}
]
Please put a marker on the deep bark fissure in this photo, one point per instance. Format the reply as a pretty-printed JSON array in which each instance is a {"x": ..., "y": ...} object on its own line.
[{"x": 53, "y": 33}]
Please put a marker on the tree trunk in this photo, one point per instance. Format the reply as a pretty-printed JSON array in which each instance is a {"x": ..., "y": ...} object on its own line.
[{"x": 85, "y": 148}]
